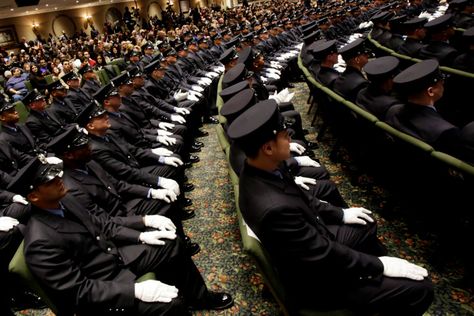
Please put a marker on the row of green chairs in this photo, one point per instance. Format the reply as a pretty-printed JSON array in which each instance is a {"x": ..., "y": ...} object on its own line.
[
  {"x": 452, "y": 163},
  {"x": 252, "y": 245}
]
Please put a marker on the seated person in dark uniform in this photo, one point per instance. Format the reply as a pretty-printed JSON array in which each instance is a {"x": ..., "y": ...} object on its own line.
[
  {"x": 440, "y": 30},
  {"x": 465, "y": 61},
  {"x": 309, "y": 174},
  {"x": 17, "y": 135},
  {"x": 323, "y": 253},
  {"x": 377, "y": 96},
  {"x": 90, "y": 83},
  {"x": 325, "y": 52},
  {"x": 61, "y": 107},
  {"x": 396, "y": 27},
  {"x": 89, "y": 264},
  {"x": 415, "y": 32},
  {"x": 351, "y": 81},
  {"x": 420, "y": 86},
  {"x": 381, "y": 30},
  {"x": 41, "y": 121}
]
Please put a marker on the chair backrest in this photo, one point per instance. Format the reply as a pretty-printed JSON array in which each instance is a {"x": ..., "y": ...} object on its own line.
[
  {"x": 19, "y": 267},
  {"x": 22, "y": 110}
]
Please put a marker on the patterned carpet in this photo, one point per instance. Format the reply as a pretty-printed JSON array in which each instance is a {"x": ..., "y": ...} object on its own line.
[{"x": 225, "y": 267}]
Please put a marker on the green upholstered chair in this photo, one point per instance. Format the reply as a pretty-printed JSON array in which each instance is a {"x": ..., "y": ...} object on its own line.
[
  {"x": 221, "y": 136},
  {"x": 405, "y": 137},
  {"x": 454, "y": 163},
  {"x": 19, "y": 267},
  {"x": 49, "y": 78},
  {"x": 234, "y": 178},
  {"x": 116, "y": 69},
  {"x": 104, "y": 77},
  {"x": 28, "y": 85},
  {"x": 22, "y": 110}
]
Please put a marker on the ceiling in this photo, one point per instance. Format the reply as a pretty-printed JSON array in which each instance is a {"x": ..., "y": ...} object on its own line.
[{"x": 8, "y": 8}]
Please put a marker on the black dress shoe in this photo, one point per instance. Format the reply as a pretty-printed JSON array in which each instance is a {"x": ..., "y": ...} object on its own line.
[
  {"x": 187, "y": 214},
  {"x": 311, "y": 145},
  {"x": 188, "y": 164},
  {"x": 192, "y": 248},
  {"x": 27, "y": 300},
  {"x": 211, "y": 120},
  {"x": 305, "y": 131},
  {"x": 215, "y": 301},
  {"x": 193, "y": 159},
  {"x": 185, "y": 202},
  {"x": 185, "y": 178},
  {"x": 188, "y": 187},
  {"x": 309, "y": 153},
  {"x": 198, "y": 143},
  {"x": 194, "y": 149},
  {"x": 201, "y": 133}
]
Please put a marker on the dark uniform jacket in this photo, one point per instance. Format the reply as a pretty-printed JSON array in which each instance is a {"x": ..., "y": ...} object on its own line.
[
  {"x": 441, "y": 51},
  {"x": 411, "y": 47},
  {"x": 143, "y": 107},
  {"x": 79, "y": 98},
  {"x": 125, "y": 128},
  {"x": 156, "y": 89},
  {"x": 78, "y": 259},
  {"x": 123, "y": 160},
  {"x": 44, "y": 125},
  {"x": 376, "y": 102},
  {"x": 349, "y": 83},
  {"x": 91, "y": 86},
  {"x": 21, "y": 138},
  {"x": 12, "y": 160},
  {"x": 465, "y": 62},
  {"x": 64, "y": 110},
  {"x": 94, "y": 187},
  {"x": 327, "y": 76},
  {"x": 292, "y": 227},
  {"x": 426, "y": 124}
]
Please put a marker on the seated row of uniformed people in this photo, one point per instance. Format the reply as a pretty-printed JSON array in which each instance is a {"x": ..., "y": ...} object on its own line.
[
  {"x": 328, "y": 257},
  {"x": 88, "y": 261}
]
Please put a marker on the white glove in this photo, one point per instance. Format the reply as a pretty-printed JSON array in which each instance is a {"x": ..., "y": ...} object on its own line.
[
  {"x": 162, "y": 132},
  {"x": 305, "y": 161},
  {"x": 169, "y": 184},
  {"x": 182, "y": 111},
  {"x": 197, "y": 88},
  {"x": 180, "y": 96},
  {"x": 196, "y": 94},
  {"x": 7, "y": 223},
  {"x": 193, "y": 98},
  {"x": 400, "y": 268},
  {"x": 159, "y": 222},
  {"x": 155, "y": 237},
  {"x": 163, "y": 194},
  {"x": 162, "y": 152},
  {"x": 356, "y": 215},
  {"x": 155, "y": 291},
  {"x": 166, "y": 140},
  {"x": 53, "y": 160},
  {"x": 165, "y": 126},
  {"x": 297, "y": 148},
  {"x": 172, "y": 161},
  {"x": 19, "y": 199},
  {"x": 211, "y": 74},
  {"x": 275, "y": 97},
  {"x": 303, "y": 181},
  {"x": 289, "y": 97},
  {"x": 178, "y": 118},
  {"x": 204, "y": 81}
]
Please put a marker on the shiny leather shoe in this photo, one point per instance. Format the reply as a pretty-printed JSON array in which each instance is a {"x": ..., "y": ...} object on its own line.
[
  {"x": 188, "y": 187},
  {"x": 193, "y": 159},
  {"x": 198, "y": 143},
  {"x": 311, "y": 145},
  {"x": 192, "y": 248},
  {"x": 185, "y": 202},
  {"x": 211, "y": 120},
  {"x": 194, "y": 149},
  {"x": 187, "y": 214},
  {"x": 201, "y": 133},
  {"x": 215, "y": 301}
]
